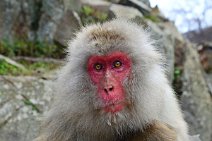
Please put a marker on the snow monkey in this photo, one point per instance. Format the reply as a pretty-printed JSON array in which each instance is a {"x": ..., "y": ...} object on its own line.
[{"x": 113, "y": 87}]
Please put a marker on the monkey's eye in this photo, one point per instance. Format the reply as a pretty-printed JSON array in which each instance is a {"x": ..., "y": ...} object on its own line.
[
  {"x": 98, "y": 66},
  {"x": 117, "y": 64}
]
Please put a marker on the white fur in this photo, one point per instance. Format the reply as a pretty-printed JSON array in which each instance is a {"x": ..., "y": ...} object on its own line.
[{"x": 73, "y": 113}]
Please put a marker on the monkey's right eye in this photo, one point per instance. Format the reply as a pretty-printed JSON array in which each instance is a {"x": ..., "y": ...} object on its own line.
[{"x": 98, "y": 66}]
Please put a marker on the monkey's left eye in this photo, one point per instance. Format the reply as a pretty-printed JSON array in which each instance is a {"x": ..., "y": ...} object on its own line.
[
  {"x": 98, "y": 66},
  {"x": 117, "y": 64}
]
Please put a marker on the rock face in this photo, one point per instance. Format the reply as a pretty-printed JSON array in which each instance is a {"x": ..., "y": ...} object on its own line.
[
  {"x": 22, "y": 102},
  {"x": 66, "y": 28},
  {"x": 52, "y": 13},
  {"x": 205, "y": 55},
  {"x": 37, "y": 20},
  {"x": 18, "y": 18},
  {"x": 124, "y": 11},
  {"x": 196, "y": 100}
]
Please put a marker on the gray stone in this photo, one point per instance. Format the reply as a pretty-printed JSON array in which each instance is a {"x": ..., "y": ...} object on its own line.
[
  {"x": 205, "y": 53},
  {"x": 66, "y": 28},
  {"x": 196, "y": 100},
  {"x": 19, "y": 19},
  {"x": 146, "y": 2},
  {"x": 208, "y": 78},
  {"x": 36, "y": 19},
  {"x": 97, "y": 4},
  {"x": 74, "y": 5},
  {"x": 53, "y": 11},
  {"x": 124, "y": 11},
  {"x": 114, "y": 1},
  {"x": 142, "y": 3},
  {"x": 23, "y": 100},
  {"x": 139, "y": 4},
  {"x": 170, "y": 29},
  {"x": 59, "y": 22}
]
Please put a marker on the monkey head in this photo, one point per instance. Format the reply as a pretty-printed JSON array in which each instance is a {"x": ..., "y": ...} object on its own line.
[
  {"x": 111, "y": 78},
  {"x": 113, "y": 85}
]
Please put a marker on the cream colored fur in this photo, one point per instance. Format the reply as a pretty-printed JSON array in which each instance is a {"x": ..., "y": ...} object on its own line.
[{"x": 73, "y": 116}]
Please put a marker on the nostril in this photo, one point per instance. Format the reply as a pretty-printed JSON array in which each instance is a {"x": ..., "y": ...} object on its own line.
[
  {"x": 111, "y": 88},
  {"x": 108, "y": 89}
]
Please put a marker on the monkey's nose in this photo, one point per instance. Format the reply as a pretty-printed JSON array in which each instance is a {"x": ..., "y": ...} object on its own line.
[{"x": 108, "y": 89}]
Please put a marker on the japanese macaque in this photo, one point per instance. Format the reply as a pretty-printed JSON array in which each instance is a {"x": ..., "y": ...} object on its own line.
[{"x": 113, "y": 87}]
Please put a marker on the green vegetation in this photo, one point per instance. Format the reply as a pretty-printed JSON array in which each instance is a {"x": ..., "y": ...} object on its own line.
[
  {"x": 177, "y": 73},
  {"x": 33, "y": 68},
  {"x": 36, "y": 65},
  {"x": 90, "y": 15},
  {"x": 6, "y": 68},
  {"x": 29, "y": 48},
  {"x": 29, "y": 103},
  {"x": 153, "y": 18},
  {"x": 177, "y": 82}
]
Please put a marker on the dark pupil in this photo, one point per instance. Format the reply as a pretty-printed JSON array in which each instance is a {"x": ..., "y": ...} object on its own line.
[{"x": 117, "y": 64}]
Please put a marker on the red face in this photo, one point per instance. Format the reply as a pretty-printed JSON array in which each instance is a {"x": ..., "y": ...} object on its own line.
[{"x": 108, "y": 74}]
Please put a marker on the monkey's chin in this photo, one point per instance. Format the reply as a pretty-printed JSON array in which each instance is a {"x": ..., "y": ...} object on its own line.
[{"x": 114, "y": 108}]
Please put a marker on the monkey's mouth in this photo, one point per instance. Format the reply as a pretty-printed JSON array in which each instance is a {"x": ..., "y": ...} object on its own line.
[{"x": 114, "y": 107}]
